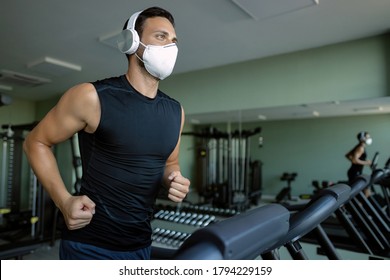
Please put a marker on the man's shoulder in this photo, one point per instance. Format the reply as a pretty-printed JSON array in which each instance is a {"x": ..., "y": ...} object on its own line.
[
  {"x": 163, "y": 95},
  {"x": 108, "y": 81}
]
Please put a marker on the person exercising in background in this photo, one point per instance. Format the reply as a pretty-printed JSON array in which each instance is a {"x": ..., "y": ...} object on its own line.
[
  {"x": 129, "y": 133},
  {"x": 358, "y": 157}
]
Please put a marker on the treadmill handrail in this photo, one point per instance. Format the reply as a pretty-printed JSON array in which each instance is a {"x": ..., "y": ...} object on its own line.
[{"x": 317, "y": 210}]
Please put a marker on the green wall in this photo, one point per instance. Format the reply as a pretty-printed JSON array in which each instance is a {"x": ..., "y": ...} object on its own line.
[
  {"x": 19, "y": 112},
  {"x": 347, "y": 71},
  {"x": 314, "y": 148}
]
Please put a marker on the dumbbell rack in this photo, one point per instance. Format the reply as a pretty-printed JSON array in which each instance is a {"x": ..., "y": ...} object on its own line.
[{"x": 171, "y": 227}]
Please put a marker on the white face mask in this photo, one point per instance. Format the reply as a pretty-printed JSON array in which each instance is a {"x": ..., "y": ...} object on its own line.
[
  {"x": 368, "y": 141},
  {"x": 159, "y": 60}
]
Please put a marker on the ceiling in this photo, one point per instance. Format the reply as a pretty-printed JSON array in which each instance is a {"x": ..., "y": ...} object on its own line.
[{"x": 37, "y": 36}]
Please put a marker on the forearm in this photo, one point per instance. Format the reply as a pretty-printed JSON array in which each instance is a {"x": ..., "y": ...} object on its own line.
[
  {"x": 44, "y": 165},
  {"x": 361, "y": 162}
]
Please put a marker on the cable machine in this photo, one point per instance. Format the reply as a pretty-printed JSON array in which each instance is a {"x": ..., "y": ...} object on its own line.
[
  {"x": 227, "y": 177},
  {"x": 26, "y": 210}
]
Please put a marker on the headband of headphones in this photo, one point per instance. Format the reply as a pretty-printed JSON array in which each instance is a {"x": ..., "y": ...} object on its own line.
[
  {"x": 132, "y": 20},
  {"x": 129, "y": 41}
]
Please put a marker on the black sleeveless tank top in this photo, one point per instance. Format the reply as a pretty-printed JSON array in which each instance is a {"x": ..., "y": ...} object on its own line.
[
  {"x": 357, "y": 169},
  {"x": 123, "y": 164}
]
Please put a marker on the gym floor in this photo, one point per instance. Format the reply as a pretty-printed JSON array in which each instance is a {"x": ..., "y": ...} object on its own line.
[{"x": 44, "y": 252}]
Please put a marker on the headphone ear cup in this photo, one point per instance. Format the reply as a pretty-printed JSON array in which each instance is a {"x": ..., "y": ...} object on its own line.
[{"x": 129, "y": 41}]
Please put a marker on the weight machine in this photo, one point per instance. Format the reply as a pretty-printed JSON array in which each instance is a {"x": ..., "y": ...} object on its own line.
[
  {"x": 285, "y": 193},
  {"x": 226, "y": 175},
  {"x": 26, "y": 211}
]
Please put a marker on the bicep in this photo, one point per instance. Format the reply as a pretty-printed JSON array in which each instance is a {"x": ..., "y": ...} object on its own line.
[{"x": 55, "y": 128}]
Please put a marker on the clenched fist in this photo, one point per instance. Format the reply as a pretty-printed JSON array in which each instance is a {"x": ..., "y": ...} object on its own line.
[{"x": 178, "y": 187}]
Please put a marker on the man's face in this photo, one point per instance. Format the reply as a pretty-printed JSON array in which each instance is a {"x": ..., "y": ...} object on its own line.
[{"x": 158, "y": 31}]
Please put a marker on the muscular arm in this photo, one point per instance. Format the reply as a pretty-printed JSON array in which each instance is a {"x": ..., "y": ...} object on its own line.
[
  {"x": 178, "y": 186},
  {"x": 74, "y": 112}
]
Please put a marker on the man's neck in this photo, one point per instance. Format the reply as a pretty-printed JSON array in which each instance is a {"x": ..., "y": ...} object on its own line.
[{"x": 142, "y": 81}]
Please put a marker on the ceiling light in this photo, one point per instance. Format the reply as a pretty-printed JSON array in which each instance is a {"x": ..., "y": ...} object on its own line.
[
  {"x": 316, "y": 113},
  {"x": 368, "y": 109},
  {"x": 306, "y": 114},
  {"x": 195, "y": 121}
]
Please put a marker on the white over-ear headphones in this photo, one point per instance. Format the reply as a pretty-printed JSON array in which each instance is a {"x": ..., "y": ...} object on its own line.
[{"x": 129, "y": 36}]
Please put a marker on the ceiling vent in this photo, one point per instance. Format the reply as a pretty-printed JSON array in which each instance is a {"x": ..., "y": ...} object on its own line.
[
  {"x": 5, "y": 88},
  {"x": 53, "y": 67},
  {"x": 12, "y": 78},
  {"x": 265, "y": 9}
]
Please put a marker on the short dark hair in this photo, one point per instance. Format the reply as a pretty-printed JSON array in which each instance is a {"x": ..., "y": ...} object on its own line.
[
  {"x": 361, "y": 135},
  {"x": 149, "y": 13}
]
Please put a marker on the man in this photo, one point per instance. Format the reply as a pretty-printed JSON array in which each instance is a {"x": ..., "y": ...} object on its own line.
[{"x": 129, "y": 133}]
